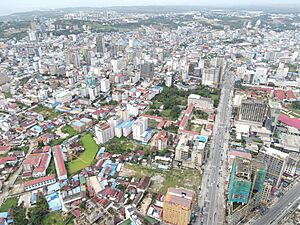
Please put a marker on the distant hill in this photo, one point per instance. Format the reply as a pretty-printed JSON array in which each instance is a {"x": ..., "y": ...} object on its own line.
[{"x": 147, "y": 9}]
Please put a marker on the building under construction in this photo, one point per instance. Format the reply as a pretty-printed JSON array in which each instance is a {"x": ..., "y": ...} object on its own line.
[
  {"x": 240, "y": 181},
  {"x": 246, "y": 176},
  {"x": 247, "y": 182}
]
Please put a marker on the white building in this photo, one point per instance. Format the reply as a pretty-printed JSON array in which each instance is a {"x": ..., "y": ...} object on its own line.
[
  {"x": 104, "y": 85},
  {"x": 133, "y": 109},
  {"x": 139, "y": 128},
  {"x": 199, "y": 102},
  {"x": 63, "y": 96},
  {"x": 33, "y": 36},
  {"x": 104, "y": 132}
]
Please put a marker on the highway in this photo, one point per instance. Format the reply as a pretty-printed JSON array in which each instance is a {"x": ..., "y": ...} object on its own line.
[
  {"x": 281, "y": 207},
  {"x": 211, "y": 196}
]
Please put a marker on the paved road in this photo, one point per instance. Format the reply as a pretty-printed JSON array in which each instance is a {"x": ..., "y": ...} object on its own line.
[
  {"x": 280, "y": 207},
  {"x": 211, "y": 197}
]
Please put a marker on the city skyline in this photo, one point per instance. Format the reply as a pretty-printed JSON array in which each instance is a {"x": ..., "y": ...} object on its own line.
[{"x": 16, "y": 6}]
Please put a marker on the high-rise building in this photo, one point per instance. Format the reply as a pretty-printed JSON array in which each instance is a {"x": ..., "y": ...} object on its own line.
[
  {"x": 139, "y": 127},
  {"x": 147, "y": 69},
  {"x": 169, "y": 80},
  {"x": 211, "y": 76},
  {"x": 100, "y": 44},
  {"x": 72, "y": 59},
  {"x": 104, "y": 85},
  {"x": 275, "y": 110},
  {"x": 104, "y": 132},
  {"x": 259, "y": 172},
  {"x": 33, "y": 36},
  {"x": 276, "y": 162},
  {"x": 178, "y": 205},
  {"x": 253, "y": 110},
  {"x": 265, "y": 194}
]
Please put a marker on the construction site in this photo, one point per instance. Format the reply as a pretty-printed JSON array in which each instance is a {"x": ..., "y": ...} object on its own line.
[{"x": 247, "y": 188}]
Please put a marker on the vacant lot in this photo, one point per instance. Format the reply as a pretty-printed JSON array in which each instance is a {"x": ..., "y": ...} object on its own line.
[
  {"x": 69, "y": 130},
  {"x": 162, "y": 180},
  {"x": 85, "y": 159},
  {"x": 49, "y": 114}
]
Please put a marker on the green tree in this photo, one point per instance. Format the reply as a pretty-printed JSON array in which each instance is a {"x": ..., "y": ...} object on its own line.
[
  {"x": 164, "y": 152},
  {"x": 296, "y": 105},
  {"x": 19, "y": 215},
  {"x": 39, "y": 212}
]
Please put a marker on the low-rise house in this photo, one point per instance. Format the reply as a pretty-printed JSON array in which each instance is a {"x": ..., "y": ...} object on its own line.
[{"x": 39, "y": 182}]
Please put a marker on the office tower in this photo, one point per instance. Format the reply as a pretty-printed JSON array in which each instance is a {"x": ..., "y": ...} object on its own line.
[
  {"x": 211, "y": 76},
  {"x": 147, "y": 69},
  {"x": 178, "y": 204},
  {"x": 253, "y": 110},
  {"x": 100, "y": 44}
]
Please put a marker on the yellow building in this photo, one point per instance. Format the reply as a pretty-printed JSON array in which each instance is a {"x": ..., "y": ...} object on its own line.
[{"x": 178, "y": 206}]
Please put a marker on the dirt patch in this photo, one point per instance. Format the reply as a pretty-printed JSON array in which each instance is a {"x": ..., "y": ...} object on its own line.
[
  {"x": 157, "y": 182},
  {"x": 126, "y": 172},
  {"x": 145, "y": 204}
]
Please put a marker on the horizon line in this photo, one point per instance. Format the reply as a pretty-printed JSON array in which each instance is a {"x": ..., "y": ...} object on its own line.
[{"x": 223, "y": 6}]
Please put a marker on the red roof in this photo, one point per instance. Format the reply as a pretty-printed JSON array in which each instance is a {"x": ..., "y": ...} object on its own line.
[
  {"x": 7, "y": 159},
  {"x": 279, "y": 94},
  {"x": 292, "y": 122},
  {"x": 46, "y": 149},
  {"x": 109, "y": 192},
  {"x": 39, "y": 169},
  {"x": 152, "y": 117},
  {"x": 189, "y": 109},
  {"x": 76, "y": 212},
  {"x": 290, "y": 95},
  {"x": 39, "y": 180},
  {"x": 187, "y": 132},
  {"x": 32, "y": 161},
  {"x": 183, "y": 122},
  {"x": 4, "y": 148},
  {"x": 210, "y": 126},
  {"x": 59, "y": 160},
  {"x": 161, "y": 124},
  {"x": 42, "y": 165}
]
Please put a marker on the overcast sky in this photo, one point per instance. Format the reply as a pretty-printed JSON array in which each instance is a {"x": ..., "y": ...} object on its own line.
[{"x": 11, "y": 6}]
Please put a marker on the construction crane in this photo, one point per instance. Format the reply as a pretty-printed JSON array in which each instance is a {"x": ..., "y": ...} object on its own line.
[
  {"x": 251, "y": 192},
  {"x": 250, "y": 196}
]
